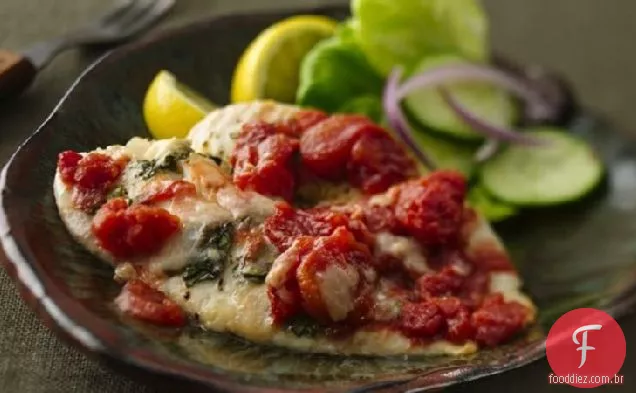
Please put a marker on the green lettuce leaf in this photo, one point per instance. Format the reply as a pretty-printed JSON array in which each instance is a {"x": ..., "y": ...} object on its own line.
[
  {"x": 336, "y": 72},
  {"x": 403, "y": 32}
]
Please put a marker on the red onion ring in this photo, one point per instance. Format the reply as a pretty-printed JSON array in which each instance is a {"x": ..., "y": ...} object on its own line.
[
  {"x": 535, "y": 101},
  {"x": 398, "y": 121},
  {"x": 485, "y": 128}
]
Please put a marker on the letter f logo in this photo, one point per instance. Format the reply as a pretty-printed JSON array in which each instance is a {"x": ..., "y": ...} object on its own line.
[{"x": 584, "y": 347}]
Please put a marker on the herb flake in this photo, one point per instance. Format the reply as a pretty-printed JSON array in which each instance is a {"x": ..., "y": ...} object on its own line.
[
  {"x": 146, "y": 169},
  {"x": 213, "y": 252},
  {"x": 303, "y": 326}
]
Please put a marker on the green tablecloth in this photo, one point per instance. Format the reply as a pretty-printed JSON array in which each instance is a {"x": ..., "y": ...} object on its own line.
[{"x": 591, "y": 41}]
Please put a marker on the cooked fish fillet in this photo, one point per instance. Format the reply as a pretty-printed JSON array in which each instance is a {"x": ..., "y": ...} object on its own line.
[{"x": 240, "y": 306}]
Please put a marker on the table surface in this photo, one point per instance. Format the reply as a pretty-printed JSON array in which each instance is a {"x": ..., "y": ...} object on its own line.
[{"x": 590, "y": 41}]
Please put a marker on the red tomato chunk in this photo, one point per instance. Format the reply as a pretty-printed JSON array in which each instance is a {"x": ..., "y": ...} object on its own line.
[
  {"x": 445, "y": 282},
  {"x": 377, "y": 162},
  {"x": 67, "y": 163},
  {"x": 326, "y": 147},
  {"x": 91, "y": 176},
  {"x": 421, "y": 319},
  {"x": 143, "y": 302},
  {"x": 262, "y": 159},
  {"x": 128, "y": 231},
  {"x": 431, "y": 209},
  {"x": 288, "y": 223},
  {"x": 497, "y": 321},
  {"x": 352, "y": 146},
  {"x": 306, "y": 119},
  {"x": 457, "y": 316}
]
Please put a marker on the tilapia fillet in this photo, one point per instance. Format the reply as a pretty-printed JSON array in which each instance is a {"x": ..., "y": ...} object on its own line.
[{"x": 235, "y": 297}]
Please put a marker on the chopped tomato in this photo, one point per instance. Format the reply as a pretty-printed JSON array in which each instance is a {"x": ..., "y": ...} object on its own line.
[
  {"x": 262, "y": 160},
  {"x": 143, "y": 302},
  {"x": 431, "y": 209},
  {"x": 306, "y": 119},
  {"x": 287, "y": 223},
  {"x": 475, "y": 287},
  {"x": 377, "y": 162},
  {"x": 326, "y": 147},
  {"x": 96, "y": 170},
  {"x": 445, "y": 282},
  {"x": 457, "y": 315},
  {"x": 164, "y": 191},
  {"x": 421, "y": 320},
  {"x": 380, "y": 218},
  {"x": 67, "y": 165},
  {"x": 497, "y": 321},
  {"x": 133, "y": 231},
  {"x": 336, "y": 264},
  {"x": 92, "y": 176}
]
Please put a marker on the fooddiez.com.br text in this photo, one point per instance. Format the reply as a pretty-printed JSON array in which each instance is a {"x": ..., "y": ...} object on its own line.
[{"x": 584, "y": 379}]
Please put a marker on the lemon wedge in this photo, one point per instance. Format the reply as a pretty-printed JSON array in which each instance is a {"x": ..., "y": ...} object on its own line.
[
  {"x": 171, "y": 109},
  {"x": 269, "y": 67}
]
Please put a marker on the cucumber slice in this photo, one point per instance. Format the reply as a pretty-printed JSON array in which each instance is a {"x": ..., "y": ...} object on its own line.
[
  {"x": 563, "y": 170},
  {"x": 486, "y": 101},
  {"x": 446, "y": 154},
  {"x": 488, "y": 206}
]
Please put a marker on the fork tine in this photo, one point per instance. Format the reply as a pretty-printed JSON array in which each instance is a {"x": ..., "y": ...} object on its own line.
[
  {"x": 119, "y": 9},
  {"x": 158, "y": 9}
]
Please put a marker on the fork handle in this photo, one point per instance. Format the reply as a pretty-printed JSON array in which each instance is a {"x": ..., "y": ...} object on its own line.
[{"x": 16, "y": 73}]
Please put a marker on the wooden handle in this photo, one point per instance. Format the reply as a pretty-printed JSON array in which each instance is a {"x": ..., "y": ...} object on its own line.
[{"x": 16, "y": 73}]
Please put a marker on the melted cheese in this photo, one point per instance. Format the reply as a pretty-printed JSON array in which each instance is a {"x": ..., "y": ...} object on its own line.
[
  {"x": 337, "y": 285},
  {"x": 404, "y": 248},
  {"x": 246, "y": 204}
]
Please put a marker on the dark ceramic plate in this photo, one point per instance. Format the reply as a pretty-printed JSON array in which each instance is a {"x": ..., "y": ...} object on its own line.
[{"x": 580, "y": 255}]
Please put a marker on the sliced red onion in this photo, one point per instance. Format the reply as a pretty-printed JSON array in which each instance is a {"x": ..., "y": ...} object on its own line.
[
  {"x": 536, "y": 103},
  {"x": 398, "y": 121},
  {"x": 488, "y": 129},
  {"x": 487, "y": 150}
]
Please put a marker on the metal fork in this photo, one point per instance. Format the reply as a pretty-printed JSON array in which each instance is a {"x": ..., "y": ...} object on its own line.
[{"x": 125, "y": 20}]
